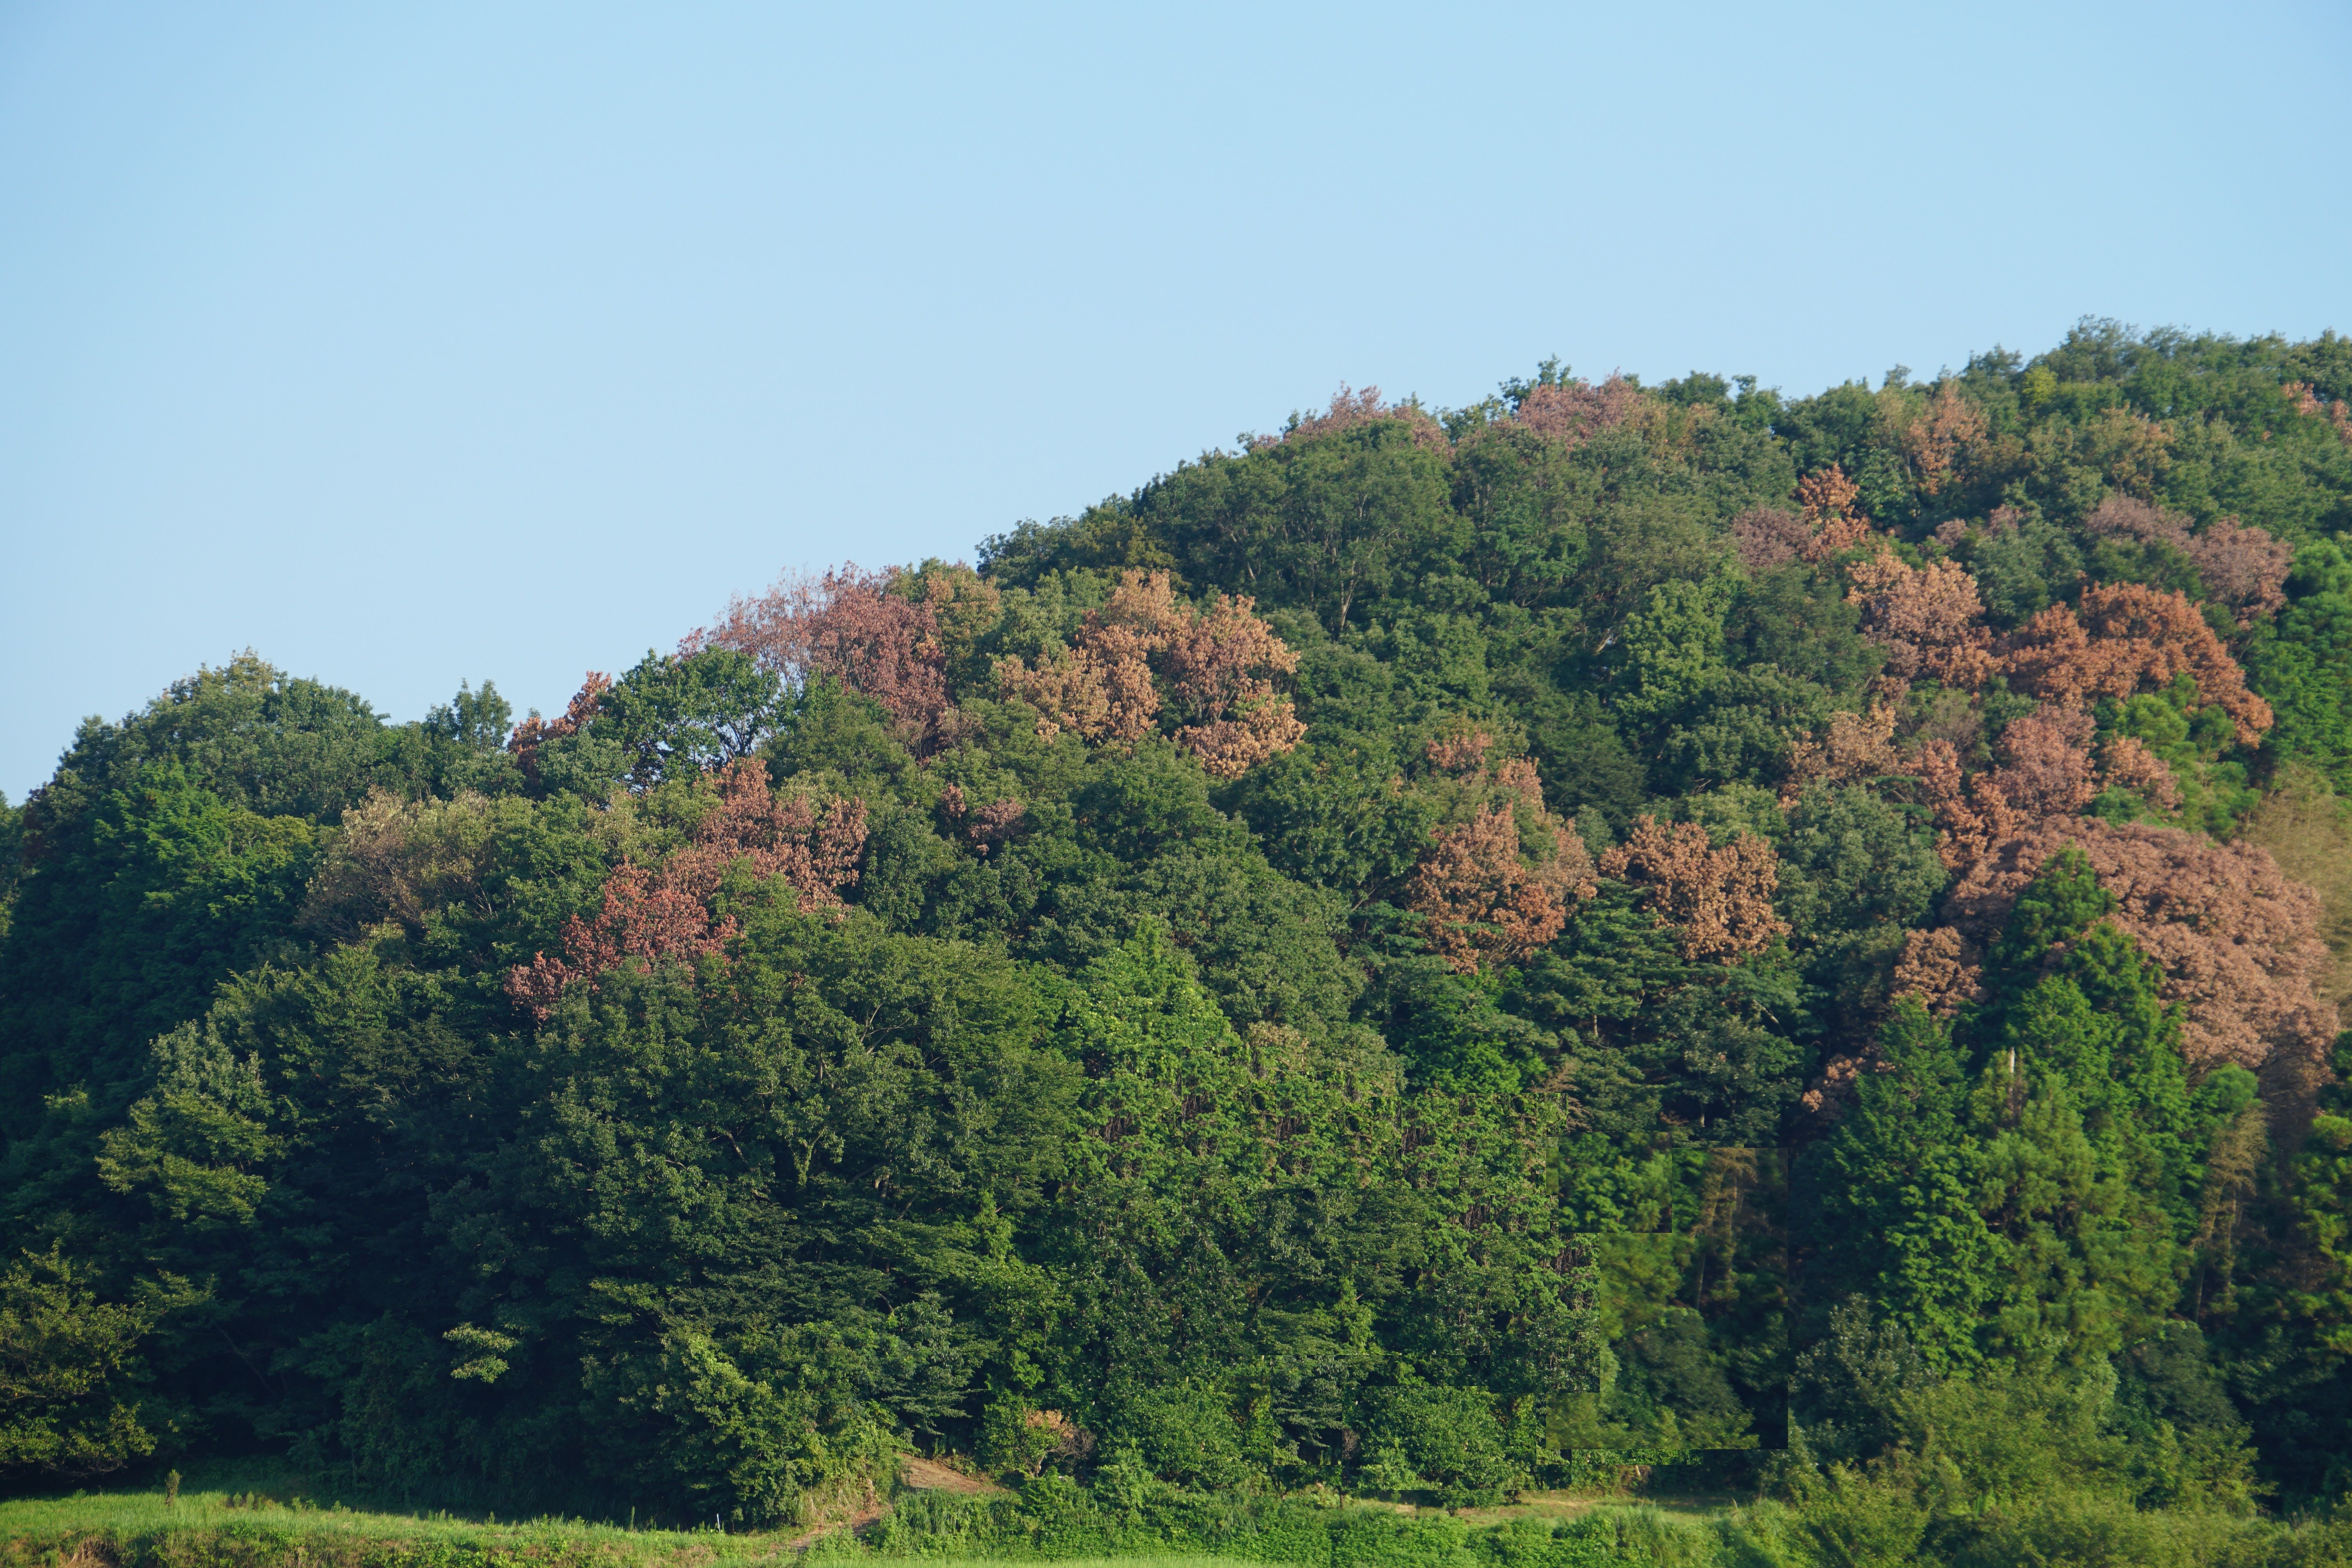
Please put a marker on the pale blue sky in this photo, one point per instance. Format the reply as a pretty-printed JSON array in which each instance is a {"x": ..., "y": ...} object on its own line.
[{"x": 407, "y": 343}]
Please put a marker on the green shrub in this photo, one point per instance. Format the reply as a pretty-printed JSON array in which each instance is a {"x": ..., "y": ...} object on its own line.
[{"x": 1441, "y": 1440}]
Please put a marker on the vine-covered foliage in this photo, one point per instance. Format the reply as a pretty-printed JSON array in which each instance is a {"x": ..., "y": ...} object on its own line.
[{"x": 1433, "y": 953}]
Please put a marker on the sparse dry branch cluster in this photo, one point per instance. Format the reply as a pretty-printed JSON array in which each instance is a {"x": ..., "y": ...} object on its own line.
[
  {"x": 1145, "y": 651},
  {"x": 534, "y": 731}
]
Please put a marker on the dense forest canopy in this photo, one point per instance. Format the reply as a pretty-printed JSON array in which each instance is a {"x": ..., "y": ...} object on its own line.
[{"x": 1435, "y": 950}]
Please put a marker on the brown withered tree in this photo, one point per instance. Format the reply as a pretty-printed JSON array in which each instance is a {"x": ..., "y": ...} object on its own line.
[
  {"x": 2126, "y": 762},
  {"x": 2047, "y": 774},
  {"x": 2126, "y": 638},
  {"x": 1940, "y": 967},
  {"x": 662, "y": 913},
  {"x": 2238, "y": 939},
  {"x": 1495, "y": 888},
  {"x": 1718, "y": 900},
  {"x": 1769, "y": 536},
  {"x": 986, "y": 825},
  {"x": 1353, "y": 410},
  {"x": 1937, "y": 442},
  {"x": 1827, "y": 499},
  {"x": 1573, "y": 412},
  {"x": 2241, "y": 567},
  {"x": 1930, "y": 620},
  {"x": 850, "y": 626},
  {"x": 1146, "y": 650},
  {"x": 2307, "y": 403}
]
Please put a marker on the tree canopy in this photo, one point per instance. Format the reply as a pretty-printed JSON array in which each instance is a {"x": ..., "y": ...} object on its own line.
[{"x": 1430, "y": 952}]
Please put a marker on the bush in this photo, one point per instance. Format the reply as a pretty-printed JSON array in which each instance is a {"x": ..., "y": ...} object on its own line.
[
  {"x": 1445, "y": 1440},
  {"x": 1185, "y": 1433}
]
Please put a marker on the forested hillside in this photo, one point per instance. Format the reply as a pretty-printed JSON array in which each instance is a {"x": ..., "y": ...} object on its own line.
[{"x": 1437, "y": 952}]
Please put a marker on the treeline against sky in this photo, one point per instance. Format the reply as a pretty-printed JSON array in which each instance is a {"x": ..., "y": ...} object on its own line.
[{"x": 1435, "y": 954}]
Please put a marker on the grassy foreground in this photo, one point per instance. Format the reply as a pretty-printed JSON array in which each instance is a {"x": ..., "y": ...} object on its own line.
[
  {"x": 241, "y": 1525},
  {"x": 250, "y": 1528},
  {"x": 266, "y": 1520}
]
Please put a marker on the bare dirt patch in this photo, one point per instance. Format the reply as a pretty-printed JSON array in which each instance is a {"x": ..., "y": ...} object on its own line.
[{"x": 924, "y": 1475}]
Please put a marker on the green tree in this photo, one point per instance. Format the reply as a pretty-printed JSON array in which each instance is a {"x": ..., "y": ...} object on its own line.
[
  {"x": 2302, "y": 663},
  {"x": 70, "y": 1373}
]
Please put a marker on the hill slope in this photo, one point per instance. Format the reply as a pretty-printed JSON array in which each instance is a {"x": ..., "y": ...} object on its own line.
[{"x": 1434, "y": 953}]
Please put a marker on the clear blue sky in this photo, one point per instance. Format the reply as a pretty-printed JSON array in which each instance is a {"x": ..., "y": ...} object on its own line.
[{"x": 407, "y": 343}]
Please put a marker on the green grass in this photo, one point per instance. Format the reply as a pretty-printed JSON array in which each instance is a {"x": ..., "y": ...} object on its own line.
[
  {"x": 218, "y": 1522},
  {"x": 268, "y": 1520},
  {"x": 249, "y": 1518}
]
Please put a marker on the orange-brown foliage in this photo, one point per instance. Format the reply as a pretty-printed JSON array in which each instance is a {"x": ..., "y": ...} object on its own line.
[
  {"x": 2125, "y": 761},
  {"x": 1827, "y": 525},
  {"x": 1938, "y": 439},
  {"x": 1353, "y": 410},
  {"x": 1929, "y": 620},
  {"x": 2306, "y": 402},
  {"x": 1941, "y": 969},
  {"x": 1971, "y": 813},
  {"x": 1770, "y": 536},
  {"x": 662, "y": 914},
  {"x": 2046, "y": 774},
  {"x": 2128, "y": 638},
  {"x": 987, "y": 824},
  {"x": 1495, "y": 888},
  {"x": 2046, "y": 768},
  {"x": 1482, "y": 899},
  {"x": 1459, "y": 752},
  {"x": 2238, "y": 941},
  {"x": 1833, "y": 1090},
  {"x": 2241, "y": 567},
  {"x": 1218, "y": 664},
  {"x": 846, "y": 625},
  {"x": 1721, "y": 900},
  {"x": 1573, "y": 412},
  {"x": 1826, "y": 496},
  {"x": 1858, "y": 746}
]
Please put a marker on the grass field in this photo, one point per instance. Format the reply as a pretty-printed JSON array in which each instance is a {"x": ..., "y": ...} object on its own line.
[
  {"x": 274, "y": 1518},
  {"x": 251, "y": 1521}
]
